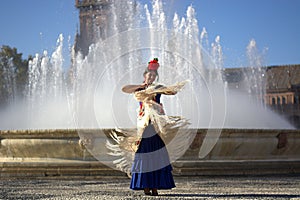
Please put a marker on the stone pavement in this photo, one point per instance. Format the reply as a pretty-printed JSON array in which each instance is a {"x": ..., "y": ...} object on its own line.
[{"x": 193, "y": 187}]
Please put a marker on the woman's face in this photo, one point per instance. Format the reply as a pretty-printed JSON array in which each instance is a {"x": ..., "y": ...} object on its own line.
[{"x": 150, "y": 77}]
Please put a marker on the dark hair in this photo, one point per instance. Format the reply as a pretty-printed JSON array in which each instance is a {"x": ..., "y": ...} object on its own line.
[{"x": 148, "y": 70}]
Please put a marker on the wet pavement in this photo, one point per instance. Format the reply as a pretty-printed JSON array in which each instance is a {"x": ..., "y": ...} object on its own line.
[{"x": 196, "y": 187}]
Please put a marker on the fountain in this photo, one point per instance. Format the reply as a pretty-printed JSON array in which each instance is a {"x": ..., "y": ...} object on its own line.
[{"x": 86, "y": 99}]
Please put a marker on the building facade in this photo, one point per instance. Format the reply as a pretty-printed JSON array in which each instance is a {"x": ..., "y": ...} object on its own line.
[
  {"x": 283, "y": 92},
  {"x": 279, "y": 89},
  {"x": 93, "y": 17}
]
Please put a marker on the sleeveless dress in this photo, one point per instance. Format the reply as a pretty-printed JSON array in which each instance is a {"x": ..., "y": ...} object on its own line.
[{"x": 151, "y": 166}]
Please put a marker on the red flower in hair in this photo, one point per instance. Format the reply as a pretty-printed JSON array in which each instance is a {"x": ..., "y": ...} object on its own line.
[{"x": 153, "y": 64}]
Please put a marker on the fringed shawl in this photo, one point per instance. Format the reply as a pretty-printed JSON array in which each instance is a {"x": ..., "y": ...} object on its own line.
[{"x": 127, "y": 141}]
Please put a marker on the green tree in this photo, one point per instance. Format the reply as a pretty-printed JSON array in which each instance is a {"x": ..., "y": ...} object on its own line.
[{"x": 13, "y": 75}]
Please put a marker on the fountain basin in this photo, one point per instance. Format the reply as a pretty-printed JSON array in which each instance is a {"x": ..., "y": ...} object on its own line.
[{"x": 63, "y": 153}]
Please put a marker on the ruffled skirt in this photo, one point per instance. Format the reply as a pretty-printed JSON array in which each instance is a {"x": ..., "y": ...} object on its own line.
[{"x": 151, "y": 166}]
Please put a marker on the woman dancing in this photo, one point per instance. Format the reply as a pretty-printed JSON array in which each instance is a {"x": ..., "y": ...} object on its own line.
[{"x": 151, "y": 169}]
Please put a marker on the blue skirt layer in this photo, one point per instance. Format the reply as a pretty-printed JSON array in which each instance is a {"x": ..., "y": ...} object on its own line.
[{"x": 151, "y": 166}]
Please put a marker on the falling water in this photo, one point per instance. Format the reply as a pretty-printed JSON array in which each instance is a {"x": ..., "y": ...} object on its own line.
[
  {"x": 88, "y": 94},
  {"x": 9, "y": 80},
  {"x": 256, "y": 77}
]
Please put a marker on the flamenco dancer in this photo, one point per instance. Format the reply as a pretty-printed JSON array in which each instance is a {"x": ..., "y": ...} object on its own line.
[{"x": 150, "y": 165}]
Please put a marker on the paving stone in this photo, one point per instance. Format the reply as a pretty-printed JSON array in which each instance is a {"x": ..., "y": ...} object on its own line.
[{"x": 192, "y": 187}]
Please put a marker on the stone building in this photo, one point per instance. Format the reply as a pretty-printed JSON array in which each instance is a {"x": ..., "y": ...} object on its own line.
[
  {"x": 283, "y": 91},
  {"x": 93, "y": 16},
  {"x": 279, "y": 87}
]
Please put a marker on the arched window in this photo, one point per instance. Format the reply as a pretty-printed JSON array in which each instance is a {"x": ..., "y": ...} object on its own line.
[
  {"x": 273, "y": 101},
  {"x": 283, "y": 100},
  {"x": 278, "y": 100},
  {"x": 296, "y": 99}
]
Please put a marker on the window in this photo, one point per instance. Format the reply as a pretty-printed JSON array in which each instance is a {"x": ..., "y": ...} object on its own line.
[
  {"x": 278, "y": 100},
  {"x": 273, "y": 101},
  {"x": 296, "y": 99},
  {"x": 283, "y": 100}
]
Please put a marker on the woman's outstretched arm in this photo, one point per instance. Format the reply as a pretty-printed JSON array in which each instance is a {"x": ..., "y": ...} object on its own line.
[{"x": 133, "y": 88}]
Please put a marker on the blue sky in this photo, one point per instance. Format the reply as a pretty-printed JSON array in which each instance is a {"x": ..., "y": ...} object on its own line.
[{"x": 34, "y": 25}]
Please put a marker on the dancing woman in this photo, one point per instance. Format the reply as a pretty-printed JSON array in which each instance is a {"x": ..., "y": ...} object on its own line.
[{"x": 151, "y": 169}]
